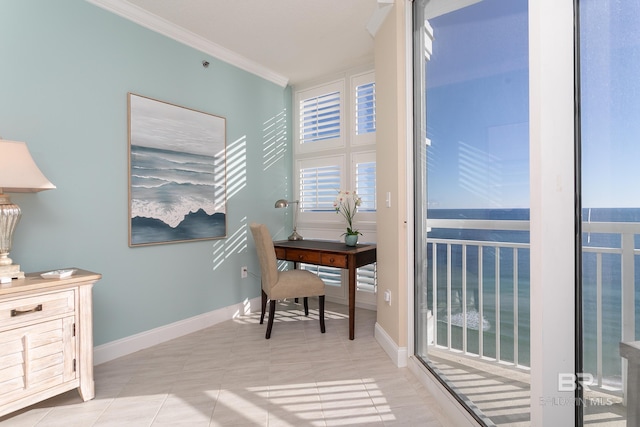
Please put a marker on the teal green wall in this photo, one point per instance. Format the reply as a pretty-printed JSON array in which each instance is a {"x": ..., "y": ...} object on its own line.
[{"x": 66, "y": 67}]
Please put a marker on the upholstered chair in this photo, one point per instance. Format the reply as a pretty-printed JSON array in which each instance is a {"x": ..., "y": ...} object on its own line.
[{"x": 277, "y": 285}]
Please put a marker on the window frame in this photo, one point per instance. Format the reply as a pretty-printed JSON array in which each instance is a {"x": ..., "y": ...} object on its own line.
[
  {"x": 314, "y": 92},
  {"x": 346, "y": 152},
  {"x": 357, "y": 158},
  {"x": 357, "y": 81},
  {"x": 552, "y": 222},
  {"x": 329, "y": 217}
]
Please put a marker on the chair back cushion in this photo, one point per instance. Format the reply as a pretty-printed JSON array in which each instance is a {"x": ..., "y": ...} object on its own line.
[{"x": 266, "y": 255}]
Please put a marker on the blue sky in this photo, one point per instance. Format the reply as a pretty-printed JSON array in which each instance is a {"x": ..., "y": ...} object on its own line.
[
  {"x": 610, "y": 102},
  {"x": 477, "y": 108},
  {"x": 477, "y": 105}
]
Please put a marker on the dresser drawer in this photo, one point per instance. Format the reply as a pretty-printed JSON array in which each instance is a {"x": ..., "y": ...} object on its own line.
[
  {"x": 334, "y": 260},
  {"x": 26, "y": 309},
  {"x": 281, "y": 253},
  {"x": 302, "y": 256}
]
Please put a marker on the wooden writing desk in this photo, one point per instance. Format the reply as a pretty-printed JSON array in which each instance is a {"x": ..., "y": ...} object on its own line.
[{"x": 330, "y": 254}]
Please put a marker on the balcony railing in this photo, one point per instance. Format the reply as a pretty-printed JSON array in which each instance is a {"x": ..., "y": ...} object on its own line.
[{"x": 478, "y": 291}]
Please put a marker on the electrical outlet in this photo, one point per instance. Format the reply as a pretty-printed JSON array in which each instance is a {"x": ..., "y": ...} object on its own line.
[{"x": 244, "y": 272}]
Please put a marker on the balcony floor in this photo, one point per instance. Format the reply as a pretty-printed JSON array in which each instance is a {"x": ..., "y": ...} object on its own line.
[{"x": 502, "y": 393}]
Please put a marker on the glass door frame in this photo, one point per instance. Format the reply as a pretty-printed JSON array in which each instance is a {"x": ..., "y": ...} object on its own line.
[{"x": 553, "y": 186}]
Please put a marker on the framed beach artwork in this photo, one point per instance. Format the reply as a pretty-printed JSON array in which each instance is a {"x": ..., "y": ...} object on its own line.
[{"x": 177, "y": 168}]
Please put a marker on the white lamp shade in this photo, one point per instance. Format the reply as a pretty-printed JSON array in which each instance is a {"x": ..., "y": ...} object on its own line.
[{"x": 18, "y": 171}]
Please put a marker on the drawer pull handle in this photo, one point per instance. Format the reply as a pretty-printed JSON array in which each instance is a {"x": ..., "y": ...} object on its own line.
[
  {"x": 300, "y": 256},
  {"x": 15, "y": 312}
]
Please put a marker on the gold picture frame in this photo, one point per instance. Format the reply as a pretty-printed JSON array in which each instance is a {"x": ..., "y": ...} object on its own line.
[{"x": 177, "y": 173}]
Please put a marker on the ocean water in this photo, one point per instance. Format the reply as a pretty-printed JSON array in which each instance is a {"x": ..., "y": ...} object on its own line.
[
  {"x": 175, "y": 195},
  {"x": 611, "y": 293}
]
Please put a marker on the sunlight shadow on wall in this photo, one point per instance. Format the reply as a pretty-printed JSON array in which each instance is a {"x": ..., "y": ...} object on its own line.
[
  {"x": 236, "y": 166},
  {"x": 274, "y": 145},
  {"x": 234, "y": 243}
]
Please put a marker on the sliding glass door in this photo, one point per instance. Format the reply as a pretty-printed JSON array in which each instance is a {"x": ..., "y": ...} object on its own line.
[
  {"x": 484, "y": 120},
  {"x": 610, "y": 128},
  {"x": 472, "y": 313}
]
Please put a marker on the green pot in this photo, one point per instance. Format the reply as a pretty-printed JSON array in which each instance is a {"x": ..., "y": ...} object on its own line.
[{"x": 351, "y": 239}]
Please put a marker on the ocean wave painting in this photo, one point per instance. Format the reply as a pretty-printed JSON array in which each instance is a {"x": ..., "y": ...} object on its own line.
[{"x": 177, "y": 173}]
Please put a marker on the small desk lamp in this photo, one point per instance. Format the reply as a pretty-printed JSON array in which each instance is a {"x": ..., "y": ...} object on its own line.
[
  {"x": 282, "y": 203},
  {"x": 18, "y": 174}
]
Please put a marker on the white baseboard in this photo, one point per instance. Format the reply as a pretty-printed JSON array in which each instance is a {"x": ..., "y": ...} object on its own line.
[
  {"x": 397, "y": 354},
  {"x": 114, "y": 349},
  {"x": 367, "y": 305}
]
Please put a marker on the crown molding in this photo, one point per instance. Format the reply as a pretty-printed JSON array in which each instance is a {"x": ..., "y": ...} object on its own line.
[
  {"x": 160, "y": 25},
  {"x": 379, "y": 15}
]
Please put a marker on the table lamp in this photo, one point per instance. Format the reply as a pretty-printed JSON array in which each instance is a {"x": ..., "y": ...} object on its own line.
[
  {"x": 18, "y": 174},
  {"x": 282, "y": 203}
]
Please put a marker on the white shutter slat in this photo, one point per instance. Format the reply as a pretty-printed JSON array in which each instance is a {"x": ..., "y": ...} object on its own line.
[
  {"x": 330, "y": 275},
  {"x": 366, "y": 185},
  {"x": 366, "y": 278},
  {"x": 318, "y": 186},
  {"x": 365, "y": 108},
  {"x": 320, "y": 117}
]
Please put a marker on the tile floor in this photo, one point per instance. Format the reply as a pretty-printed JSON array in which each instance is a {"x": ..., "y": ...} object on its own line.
[
  {"x": 502, "y": 393},
  {"x": 229, "y": 375}
]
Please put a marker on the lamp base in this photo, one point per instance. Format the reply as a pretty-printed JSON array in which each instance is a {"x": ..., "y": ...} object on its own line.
[
  {"x": 11, "y": 272},
  {"x": 295, "y": 236}
]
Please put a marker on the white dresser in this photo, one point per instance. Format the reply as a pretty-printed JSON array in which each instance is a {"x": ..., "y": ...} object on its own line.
[{"x": 46, "y": 338}]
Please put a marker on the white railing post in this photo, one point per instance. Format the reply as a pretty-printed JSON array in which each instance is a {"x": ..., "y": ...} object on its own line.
[
  {"x": 480, "y": 303},
  {"x": 464, "y": 298},
  {"x": 599, "y": 318},
  {"x": 628, "y": 299},
  {"x": 515, "y": 306},
  {"x": 434, "y": 286},
  {"x": 497, "y": 303},
  {"x": 449, "y": 296}
]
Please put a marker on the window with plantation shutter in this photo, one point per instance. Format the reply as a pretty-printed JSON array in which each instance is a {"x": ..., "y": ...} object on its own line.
[
  {"x": 364, "y": 164},
  {"x": 365, "y": 108},
  {"x": 365, "y": 176},
  {"x": 335, "y": 149},
  {"x": 320, "y": 117},
  {"x": 319, "y": 182},
  {"x": 366, "y": 278},
  {"x": 331, "y": 276}
]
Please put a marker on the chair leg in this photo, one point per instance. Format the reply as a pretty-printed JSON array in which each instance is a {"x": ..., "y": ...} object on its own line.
[
  {"x": 306, "y": 306},
  {"x": 272, "y": 313},
  {"x": 264, "y": 306},
  {"x": 321, "y": 312}
]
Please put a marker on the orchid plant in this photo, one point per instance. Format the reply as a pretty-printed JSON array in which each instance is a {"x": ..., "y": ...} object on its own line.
[{"x": 346, "y": 204}]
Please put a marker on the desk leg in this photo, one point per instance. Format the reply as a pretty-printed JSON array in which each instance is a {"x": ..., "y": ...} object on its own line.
[
  {"x": 352, "y": 300},
  {"x": 295, "y": 266}
]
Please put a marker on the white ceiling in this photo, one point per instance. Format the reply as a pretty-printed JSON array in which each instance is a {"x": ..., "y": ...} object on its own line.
[{"x": 286, "y": 41}]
